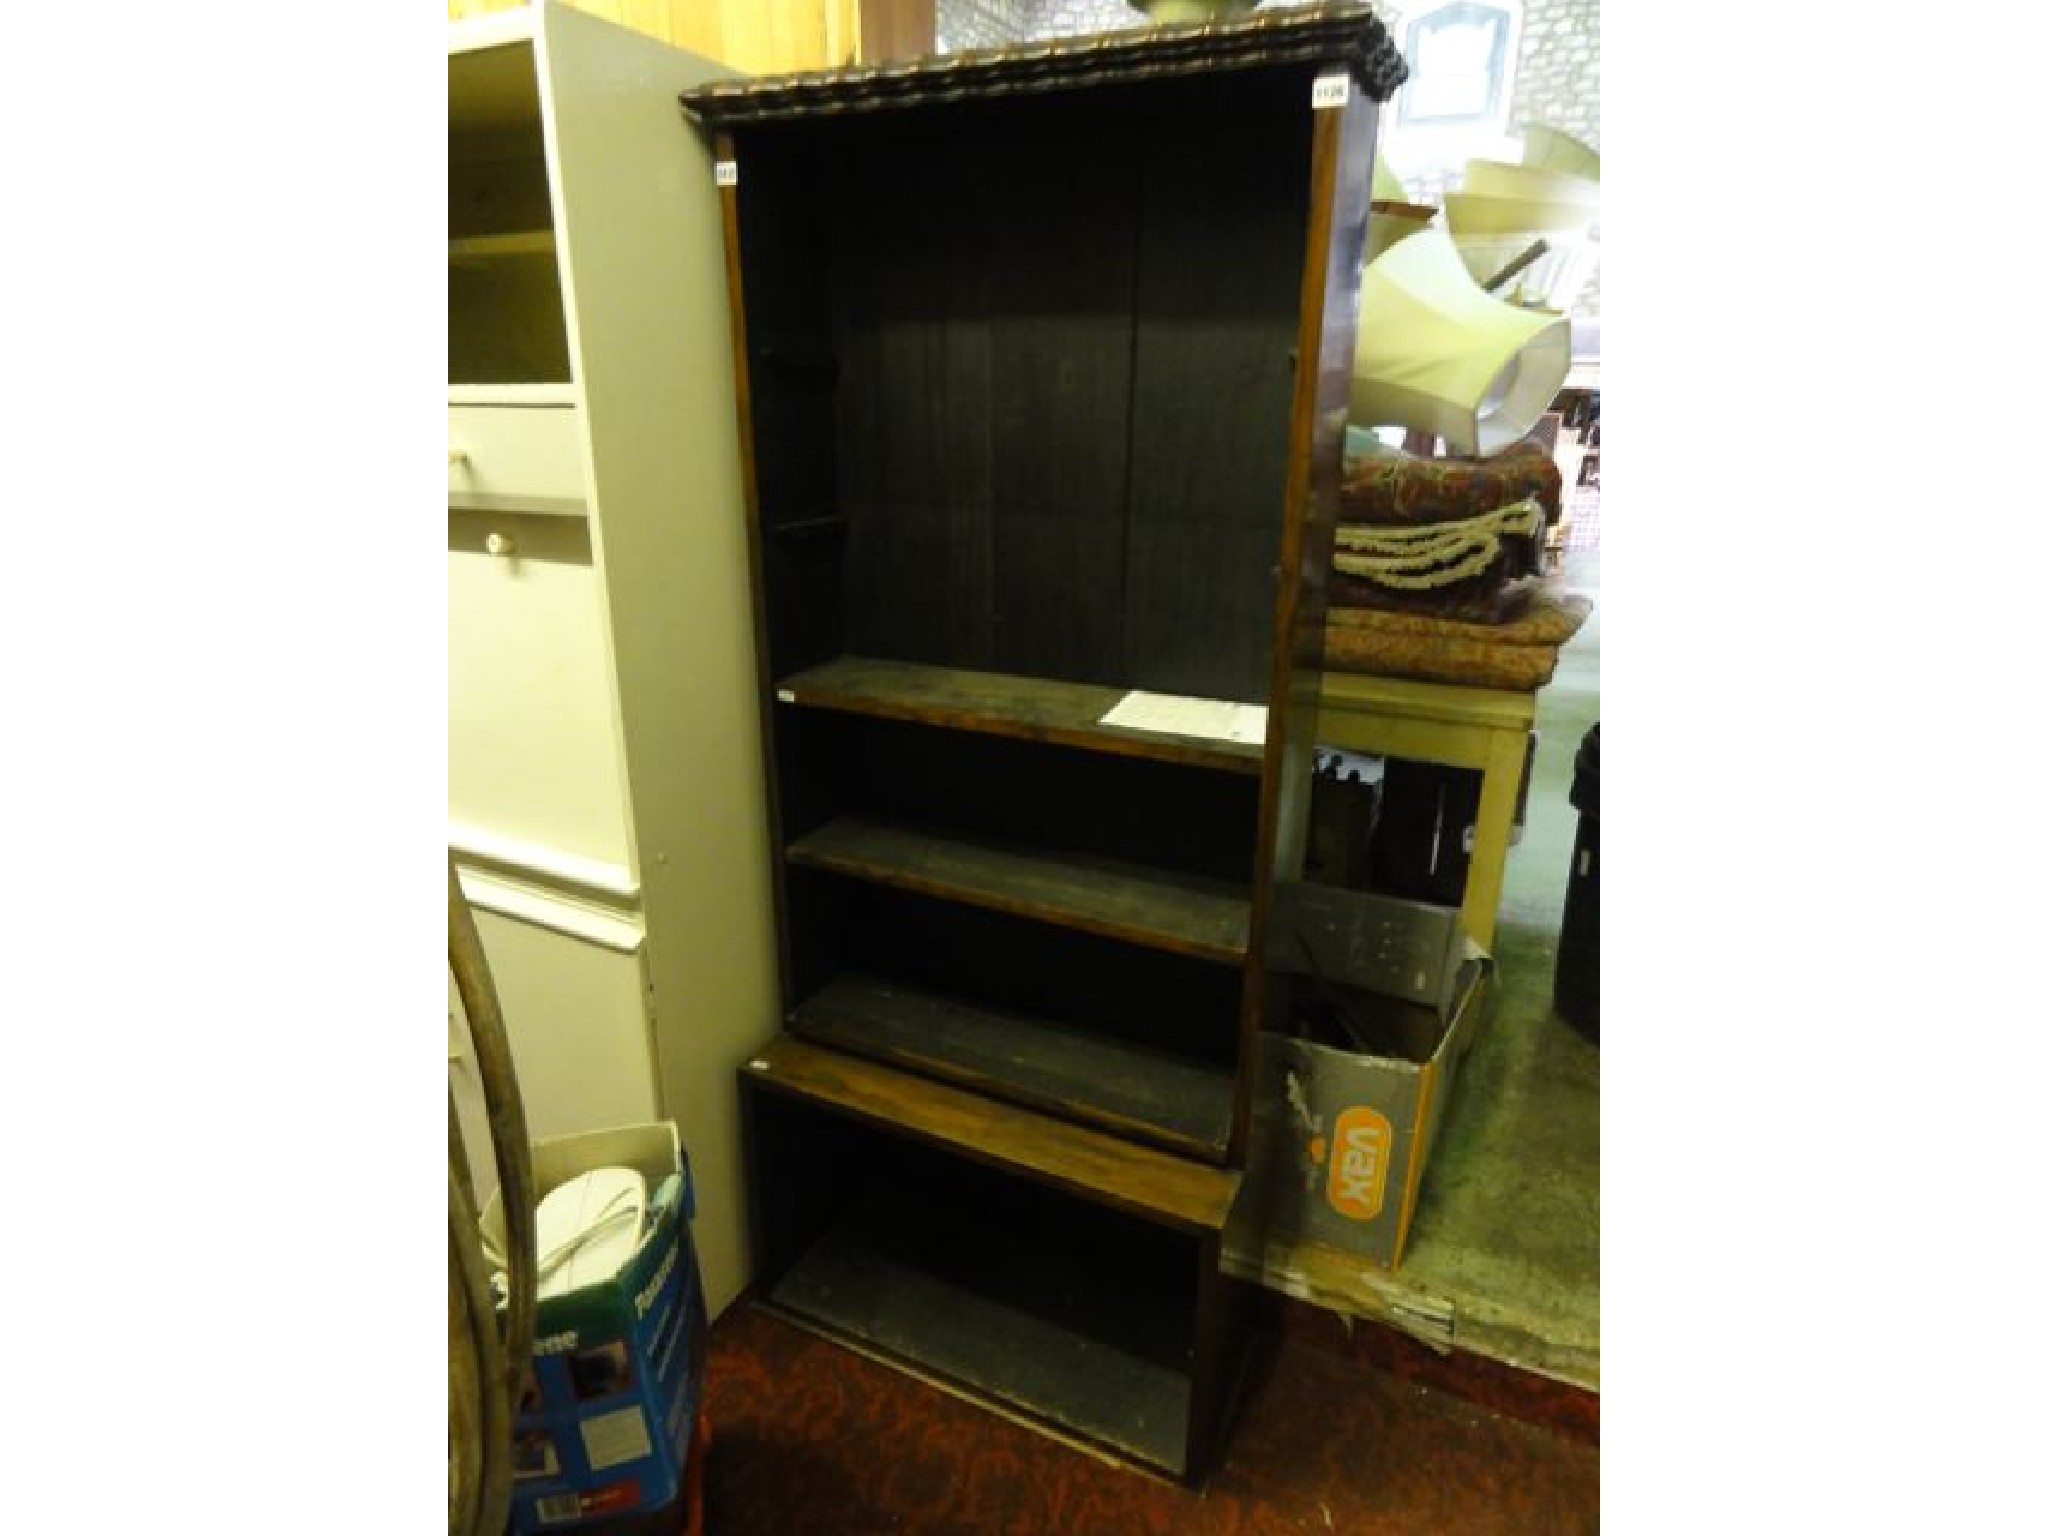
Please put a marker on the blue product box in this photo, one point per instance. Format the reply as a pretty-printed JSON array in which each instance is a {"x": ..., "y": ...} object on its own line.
[{"x": 605, "y": 1422}]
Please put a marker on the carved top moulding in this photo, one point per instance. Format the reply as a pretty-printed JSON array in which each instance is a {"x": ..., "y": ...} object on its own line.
[{"x": 1348, "y": 35}]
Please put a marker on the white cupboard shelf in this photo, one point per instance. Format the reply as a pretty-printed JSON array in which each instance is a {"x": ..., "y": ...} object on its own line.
[{"x": 520, "y": 244}]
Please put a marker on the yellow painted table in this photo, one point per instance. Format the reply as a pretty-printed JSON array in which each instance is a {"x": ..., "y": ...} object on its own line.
[{"x": 1483, "y": 728}]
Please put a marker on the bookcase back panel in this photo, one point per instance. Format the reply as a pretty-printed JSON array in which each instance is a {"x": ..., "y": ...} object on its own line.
[
  {"x": 791, "y": 391},
  {"x": 1217, "y": 318},
  {"x": 1150, "y": 999},
  {"x": 1028, "y": 793},
  {"x": 1059, "y": 365}
]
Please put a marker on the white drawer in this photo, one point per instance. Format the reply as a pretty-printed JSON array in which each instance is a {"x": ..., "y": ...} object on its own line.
[{"x": 526, "y": 458}]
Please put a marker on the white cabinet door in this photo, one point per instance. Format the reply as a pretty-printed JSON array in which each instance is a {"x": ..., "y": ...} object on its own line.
[{"x": 533, "y": 747}]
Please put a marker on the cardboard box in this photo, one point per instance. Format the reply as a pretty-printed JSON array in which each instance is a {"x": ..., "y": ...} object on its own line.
[
  {"x": 606, "y": 1421},
  {"x": 1341, "y": 1134}
]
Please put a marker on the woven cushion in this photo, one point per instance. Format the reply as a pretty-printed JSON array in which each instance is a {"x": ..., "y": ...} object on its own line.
[{"x": 1520, "y": 655}]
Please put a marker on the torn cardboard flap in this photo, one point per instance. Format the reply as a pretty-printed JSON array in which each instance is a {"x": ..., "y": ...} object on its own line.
[{"x": 1384, "y": 944}]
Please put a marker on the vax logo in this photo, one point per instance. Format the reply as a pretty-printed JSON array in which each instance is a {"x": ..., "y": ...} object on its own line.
[{"x": 1359, "y": 1150}]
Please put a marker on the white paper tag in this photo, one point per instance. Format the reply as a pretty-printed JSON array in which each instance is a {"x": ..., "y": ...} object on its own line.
[
  {"x": 785, "y": 695},
  {"x": 613, "y": 1439},
  {"x": 727, "y": 172},
  {"x": 1215, "y": 719},
  {"x": 1332, "y": 89}
]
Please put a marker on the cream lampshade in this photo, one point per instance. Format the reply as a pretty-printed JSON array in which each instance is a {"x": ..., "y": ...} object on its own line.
[
  {"x": 1393, "y": 218},
  {"x": 1390, "y": 223},
  {"x": 1492, "y": 230},
  {"x": 1501, "y": 212},
  {"x": 1493, "y": 178},
  {"x": 1558, "y": 151},
  {"x": 1438, "y": 354}
]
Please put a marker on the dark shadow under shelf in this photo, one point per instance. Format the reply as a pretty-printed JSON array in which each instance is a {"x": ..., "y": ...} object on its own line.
[
  {"x": 1174, "y": 1101},
  {"x": 1163, "y": 909},
  {"x": 1003, "y": 704},
  {"x": 1004, "y": 1314}
]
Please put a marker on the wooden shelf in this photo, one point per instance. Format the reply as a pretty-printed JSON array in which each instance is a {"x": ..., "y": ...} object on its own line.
[
  {"x": 1161, "y": 909},
  {"x": 521, "y": 243},
  {"x": 1081, "y": 1075},
  {"x": 1002, "y": 704},
  {"x": 1106, "y": 1170},
  {"x": 903, "y": 1286}
]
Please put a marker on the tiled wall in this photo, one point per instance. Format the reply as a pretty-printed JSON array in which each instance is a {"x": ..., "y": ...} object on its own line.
[
  {"x": 964, "y": 24},
  {"x": 1067, "y": 18},
  {"x": 1558, "y": 78},
  {"x": 1558, "y": 82}
]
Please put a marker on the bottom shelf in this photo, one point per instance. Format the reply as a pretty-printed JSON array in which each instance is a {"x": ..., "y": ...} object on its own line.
[
  {"x": 999, "y": 1312},
  {"x": 1050, "y": 1270}
]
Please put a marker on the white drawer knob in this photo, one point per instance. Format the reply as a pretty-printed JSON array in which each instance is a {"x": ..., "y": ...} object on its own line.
[
  {"x": 500, "y": 544},
  {"x": 457, "y": 456}
]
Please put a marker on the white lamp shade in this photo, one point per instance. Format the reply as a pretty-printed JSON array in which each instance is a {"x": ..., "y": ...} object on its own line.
[
  {"x": 1491, "y": 232},
  {"x": 1493, "y": 178},
  {"x": 1393, "y": 217},
  {"x": 1553, "y": 280},
  {"x": 1389, "y": 223},
  {"x": 1474, "y": 213},
  {"x": 1559, "y": 151},
  {"x": 1438, "y": 354}
]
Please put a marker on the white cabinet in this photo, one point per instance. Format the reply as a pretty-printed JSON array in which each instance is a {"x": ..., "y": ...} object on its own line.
[{"x": 604, "y": 772}]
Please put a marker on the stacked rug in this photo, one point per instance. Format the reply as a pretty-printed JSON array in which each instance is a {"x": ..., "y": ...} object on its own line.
[{"x": 1438, "y": 563}]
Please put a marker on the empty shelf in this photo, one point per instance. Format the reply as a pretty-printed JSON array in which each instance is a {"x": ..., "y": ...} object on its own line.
[
  {"x": 1070, "y": 1071},
  {"x": 1164, "y": 909},
  {"x": 1033, "y": 1329},
  {"x": 1108, "y": 1170}
]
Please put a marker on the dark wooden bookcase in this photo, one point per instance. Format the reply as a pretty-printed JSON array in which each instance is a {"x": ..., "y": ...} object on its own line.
[{"x": 1043, "y": 358}]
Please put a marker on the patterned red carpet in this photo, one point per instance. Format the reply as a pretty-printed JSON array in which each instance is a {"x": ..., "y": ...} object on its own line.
[{"x": 808, "y": 1437}]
